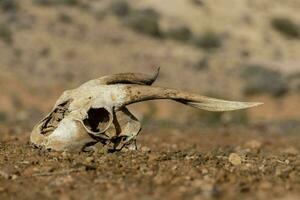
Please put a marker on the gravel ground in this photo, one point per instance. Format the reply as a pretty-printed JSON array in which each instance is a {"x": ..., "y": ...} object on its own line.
[{"x": 231, "y": 164}]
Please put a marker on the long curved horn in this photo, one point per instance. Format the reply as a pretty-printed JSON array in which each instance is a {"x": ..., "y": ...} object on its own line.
[
  {"x": 130, "y": 78},
  {"x": 123, "y": 78},
  {"x": 137, "y": 93}
]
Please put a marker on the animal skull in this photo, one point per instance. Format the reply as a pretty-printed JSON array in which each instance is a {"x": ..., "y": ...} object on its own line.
[{"x": 96, "y": 112}]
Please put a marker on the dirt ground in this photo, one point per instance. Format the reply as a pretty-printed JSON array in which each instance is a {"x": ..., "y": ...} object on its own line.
[{"x": 229, "y": 163}]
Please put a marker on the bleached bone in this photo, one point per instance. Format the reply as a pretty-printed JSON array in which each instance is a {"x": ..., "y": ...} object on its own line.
[{"x": 96, "y": 112}]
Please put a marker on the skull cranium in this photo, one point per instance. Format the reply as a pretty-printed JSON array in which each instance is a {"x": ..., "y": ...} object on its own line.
[{"x": 96, "y": 112}]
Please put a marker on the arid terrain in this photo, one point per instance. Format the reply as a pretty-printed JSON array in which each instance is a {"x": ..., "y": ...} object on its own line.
[
  {"x": 245, "y": 50},
  {"x": 220, "y": 164}
]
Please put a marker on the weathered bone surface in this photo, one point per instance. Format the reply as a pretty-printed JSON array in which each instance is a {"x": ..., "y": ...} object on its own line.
[{"x": 96, "y": 112}]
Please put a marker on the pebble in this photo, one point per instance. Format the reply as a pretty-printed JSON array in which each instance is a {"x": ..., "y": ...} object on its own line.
[
  {"x": 235, "y": 159},
  {"x": 89, "y": 159},
  {"x": 4, "y": 175},
  {"x": 25, "y": 162},
  {"x": 146, "y": 149},
  {"x": 204, "y": 171},
  {"x": 14, "y": 177},
  {"x": 287, "y": 161},
  {"x": 65, "y": 154},
  {"x": 253, "y": 144}
]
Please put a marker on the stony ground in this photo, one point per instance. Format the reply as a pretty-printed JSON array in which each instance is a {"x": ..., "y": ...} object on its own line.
[{"x": 222, "y": 164}]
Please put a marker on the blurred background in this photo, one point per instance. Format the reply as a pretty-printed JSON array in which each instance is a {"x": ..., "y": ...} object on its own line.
[{"x": 244, "y": 50}]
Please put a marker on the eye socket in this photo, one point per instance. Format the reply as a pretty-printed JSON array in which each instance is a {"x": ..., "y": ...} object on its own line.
[{"x": 98, "y": 119}]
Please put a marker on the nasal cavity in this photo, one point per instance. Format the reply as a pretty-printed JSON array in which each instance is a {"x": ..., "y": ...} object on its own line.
[{"x": 97, "y": 120}]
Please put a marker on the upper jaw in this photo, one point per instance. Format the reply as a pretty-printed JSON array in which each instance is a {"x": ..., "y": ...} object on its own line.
[{"x": 68, "y": 136}]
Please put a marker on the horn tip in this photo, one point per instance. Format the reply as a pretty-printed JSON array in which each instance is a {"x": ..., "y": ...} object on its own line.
[
  {"x": 256, "y": 104},
  {"x": 157, "y": 69},
  {"x": 155, "y": 75},
  {"x": 157, "y": 72}
]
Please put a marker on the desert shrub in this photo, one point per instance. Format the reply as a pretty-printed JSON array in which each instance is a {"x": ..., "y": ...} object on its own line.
[
  {"x": 120, "y": 8},
  {"x": 43, "y": 2},
  {"x": 144, "y": 21},
  {"x": 149, "y": 12},
  {"x": 5, "y": 34},
  {"x": 294, "y": 81},
  {"x": 56, "y": 2},
  {"x": 209, "y": 40},
  {"x": 197, "y": 2},
  {"x": 181, "y": 33},
  {"x": 8, "y": 5},
  {"x": 68, "y": 2},
  {"x": 201, "y": 64},
  {"x": 3, "y": 116},
  {"x": 65, "y": 18},
  {"x": 286, "y": 27},
  {"x": 259, "y": 80},
  {"x": 100, "y": 14}
]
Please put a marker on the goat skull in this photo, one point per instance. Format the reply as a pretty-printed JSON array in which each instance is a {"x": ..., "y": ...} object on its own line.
[{"x": 96, "y": 112}]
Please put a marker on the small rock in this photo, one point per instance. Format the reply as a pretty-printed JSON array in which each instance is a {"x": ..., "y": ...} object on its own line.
[
  {"x": 174, "y": 168},
  {"x": 25, "y": 162},
  {"x": 235, "y": 159},
  {"x": 14, "y": 177},
  {"x": 253, "y": 144},
  {"x": 65, "y": 154},
  {"x": 262, "y": 168},
  {"x": 204, "y": 171},
  {"x": 287, "y": 161},
  {"x": 4, "y": 175},
  {"x": 247, "y": 167},
  {"x": 89, "y": 159},
  {"x": 145, "y": 149}
]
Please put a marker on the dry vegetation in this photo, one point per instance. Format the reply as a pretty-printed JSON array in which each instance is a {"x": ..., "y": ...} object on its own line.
[{"x": 237, "y": 49}]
